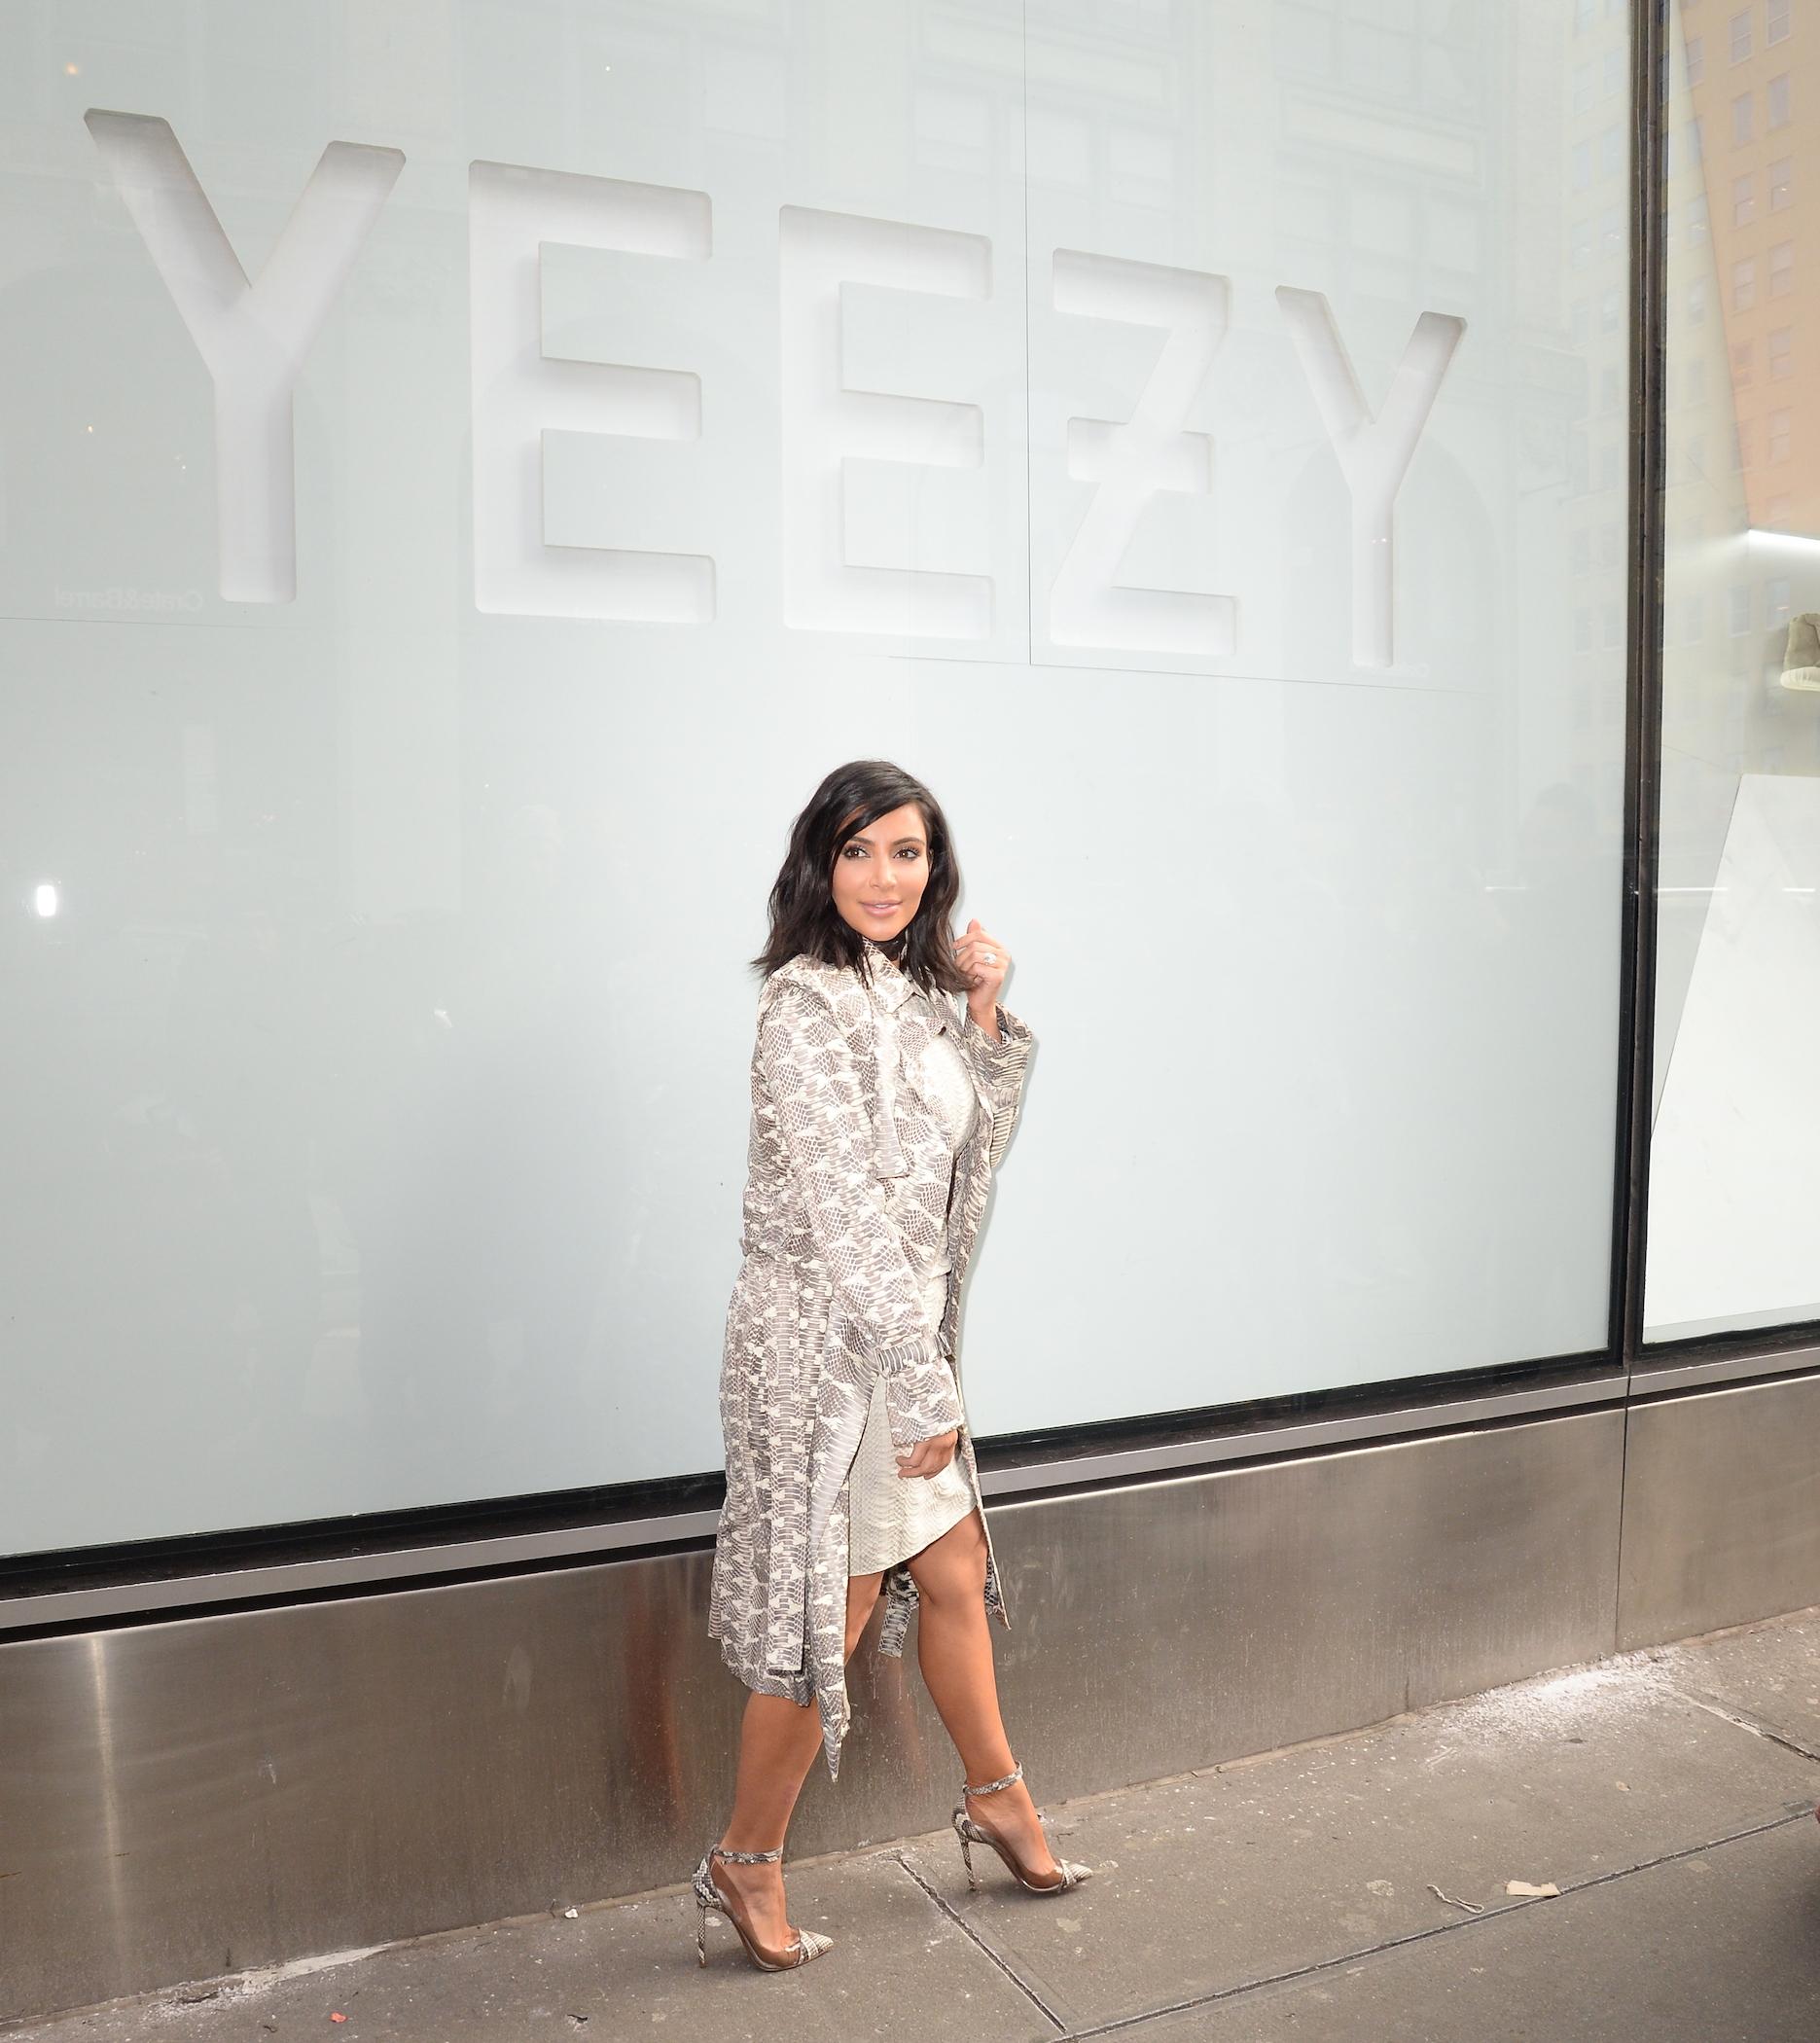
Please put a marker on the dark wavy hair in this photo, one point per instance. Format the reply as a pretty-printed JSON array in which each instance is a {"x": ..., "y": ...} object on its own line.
[{"x": 802, "y": 911}]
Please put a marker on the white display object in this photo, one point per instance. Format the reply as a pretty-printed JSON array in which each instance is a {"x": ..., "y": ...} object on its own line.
[{"x": 1734, "y": 1189}]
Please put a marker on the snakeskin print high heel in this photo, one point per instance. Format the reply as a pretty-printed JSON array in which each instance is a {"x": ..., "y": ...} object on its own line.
[
  {"x": 710, "y": 1898},
  {"x": 971, "y": 1833}
]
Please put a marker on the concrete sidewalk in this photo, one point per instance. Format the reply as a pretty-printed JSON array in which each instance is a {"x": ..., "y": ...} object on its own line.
[{"x": 1351, "y": 1890}]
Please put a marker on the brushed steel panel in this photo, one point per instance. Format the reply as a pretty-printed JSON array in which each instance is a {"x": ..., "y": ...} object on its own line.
[
  {"x": 190, "y": 1798},
  {"x": 1721, "y": 1509}
]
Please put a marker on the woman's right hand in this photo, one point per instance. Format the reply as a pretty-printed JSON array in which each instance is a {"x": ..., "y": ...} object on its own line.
[{"x": 929, "y": 1457}]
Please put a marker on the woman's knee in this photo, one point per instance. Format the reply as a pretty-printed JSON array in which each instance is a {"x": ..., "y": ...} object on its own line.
[{"x": 953, "y": 1568}]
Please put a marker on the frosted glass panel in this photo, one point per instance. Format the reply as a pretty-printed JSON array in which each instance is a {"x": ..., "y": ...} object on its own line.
[{"x": 467, "y": 471}]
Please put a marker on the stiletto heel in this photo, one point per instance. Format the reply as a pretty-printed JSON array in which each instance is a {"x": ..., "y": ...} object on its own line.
[
  {"x": 712, "y": 1898},
  {"x": 972, "y": 1832}
]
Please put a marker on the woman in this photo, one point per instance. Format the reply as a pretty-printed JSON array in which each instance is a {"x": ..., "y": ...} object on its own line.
[{"x": 881, "y": 1101}]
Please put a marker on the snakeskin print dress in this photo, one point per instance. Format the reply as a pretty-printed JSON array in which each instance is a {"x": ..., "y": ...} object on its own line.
[{"x": 853, "y": 1194}]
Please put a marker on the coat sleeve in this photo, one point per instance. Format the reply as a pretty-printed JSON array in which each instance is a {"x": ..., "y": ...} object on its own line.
[
  {"x": 1000, "y": 1067},
  {"x": 815, "y": 1096}
]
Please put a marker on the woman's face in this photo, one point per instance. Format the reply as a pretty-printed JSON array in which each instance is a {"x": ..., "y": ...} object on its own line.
[{"x": 881, "y": 872}]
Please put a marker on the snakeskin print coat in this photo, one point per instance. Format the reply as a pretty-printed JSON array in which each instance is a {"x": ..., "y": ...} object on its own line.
[{"x": 848, "y": 1172}]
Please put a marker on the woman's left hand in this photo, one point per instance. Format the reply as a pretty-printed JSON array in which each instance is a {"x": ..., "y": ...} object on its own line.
[
  {"x": 928, "y": 1457},
  {"x": 985, "y": 961}
]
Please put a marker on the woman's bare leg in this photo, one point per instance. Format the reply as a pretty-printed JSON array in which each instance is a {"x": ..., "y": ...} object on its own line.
[
  {"x": 778, "y": 1741},
  {"x": 954, "y": 1650}
]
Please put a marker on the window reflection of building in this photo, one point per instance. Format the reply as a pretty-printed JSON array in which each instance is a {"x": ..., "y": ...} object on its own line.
[{"x": 1758, "y": 193}]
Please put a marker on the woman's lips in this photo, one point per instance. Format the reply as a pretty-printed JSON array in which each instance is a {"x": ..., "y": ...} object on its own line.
[{"x": 881, "y": 907}]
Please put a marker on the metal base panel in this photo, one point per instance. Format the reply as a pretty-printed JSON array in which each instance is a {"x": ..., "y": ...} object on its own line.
[
  {"x": 1721, "y": 1509},
  {"x": 190, "y": 1798}
]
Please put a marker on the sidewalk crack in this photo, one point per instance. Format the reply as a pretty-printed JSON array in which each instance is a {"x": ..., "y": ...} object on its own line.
[
  {"x": 1239, "y": 1988},
  {"x": 980, "y": 1944},
  {"x": 1732, "y": 1714}
]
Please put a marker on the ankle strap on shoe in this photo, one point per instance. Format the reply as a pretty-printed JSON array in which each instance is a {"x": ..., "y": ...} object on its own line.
[
  {"x": 992, "y": 1786},
  {"x": 747, "y": 1858}
]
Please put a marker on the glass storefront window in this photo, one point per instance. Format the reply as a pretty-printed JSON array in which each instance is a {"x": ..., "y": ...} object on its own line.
[
  {"x": 469, "y": 471},
  {"x": 1735, "y": 1216}
]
